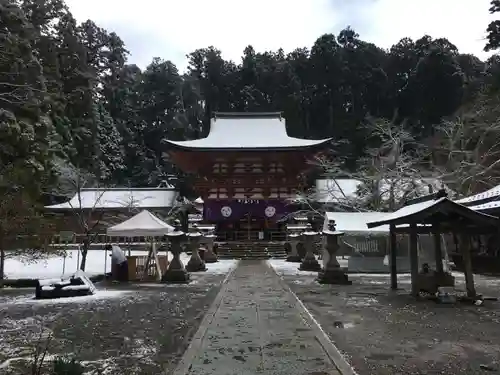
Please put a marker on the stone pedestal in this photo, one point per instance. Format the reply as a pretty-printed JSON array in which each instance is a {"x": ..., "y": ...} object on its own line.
[
  {"x": 176, "y": 273},
  {"x": 309, "y": 263},
  {"x": 195, "y": 264},
  {"x": 294, "y": 252},
  {"x": 430, "y": 281},
  {"x": 332, "y": 273},
  {"x": 210, "y": 256}
]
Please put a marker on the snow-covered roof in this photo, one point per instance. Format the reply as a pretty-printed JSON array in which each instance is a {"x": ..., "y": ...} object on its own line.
[
  {"x": 119, "y": 198},
  {"x": 485, "y": 207},
  {"x": 144, "y": 224},
  {"x": 355, "y": 222},
  {"x": 248, "y": 131},
  {"x": 425, "y": 209},
  {"x": 485, "y": 195}
]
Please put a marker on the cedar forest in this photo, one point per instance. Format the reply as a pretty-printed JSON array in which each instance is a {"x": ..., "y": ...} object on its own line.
[{"x": 69, "y": 100}]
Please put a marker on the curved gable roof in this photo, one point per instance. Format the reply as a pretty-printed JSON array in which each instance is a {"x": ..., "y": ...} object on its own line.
[{"x": 236, "y": 131}]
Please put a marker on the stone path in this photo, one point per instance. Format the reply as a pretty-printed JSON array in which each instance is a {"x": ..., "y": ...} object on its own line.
[{"x": 258, "y": 328}]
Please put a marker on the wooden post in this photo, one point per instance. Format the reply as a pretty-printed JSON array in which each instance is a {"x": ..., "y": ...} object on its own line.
[
  {"x": 393, "y": 256},
  {"x": 465, "y": 248},
  {"x": 438, "y": 252},
  {"x": 414, "y": 259}
]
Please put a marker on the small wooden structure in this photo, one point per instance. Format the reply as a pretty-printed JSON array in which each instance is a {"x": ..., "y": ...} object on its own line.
[
  {"x": 148, "y": 225},
  {"x": 144, "y": 267},
  {"x": 435, "y": 216}
]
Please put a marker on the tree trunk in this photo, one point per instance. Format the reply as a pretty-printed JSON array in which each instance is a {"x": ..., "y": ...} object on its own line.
[
  {"x": 2, "y": 263},
  {"x": 85, "y": 249}
]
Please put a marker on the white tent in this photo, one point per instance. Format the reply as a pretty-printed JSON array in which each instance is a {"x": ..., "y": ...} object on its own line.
[{"x": 144, "y": 224}]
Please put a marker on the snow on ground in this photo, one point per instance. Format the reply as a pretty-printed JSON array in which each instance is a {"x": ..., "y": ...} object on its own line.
[
  {"x": 29, "y": 330},
  {"x": 282, "y": 267},
  {"x": 98, "y": 263}
]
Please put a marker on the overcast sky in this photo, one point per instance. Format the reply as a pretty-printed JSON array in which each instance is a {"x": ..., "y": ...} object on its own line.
[{"x": 172, "y": 28}]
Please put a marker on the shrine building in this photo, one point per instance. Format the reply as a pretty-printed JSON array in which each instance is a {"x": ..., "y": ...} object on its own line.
[{"x": 245, "y": 171}]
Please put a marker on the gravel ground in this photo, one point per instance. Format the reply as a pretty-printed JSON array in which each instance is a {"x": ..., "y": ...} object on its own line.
[
  {"x": 132, "y": 329},
  {"x": 388, "y": 333}
]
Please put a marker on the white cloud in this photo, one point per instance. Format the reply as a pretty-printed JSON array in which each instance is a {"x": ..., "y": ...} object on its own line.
[
  {"x": 463, "y": 22},
  {"x": 171, "y": 29}
]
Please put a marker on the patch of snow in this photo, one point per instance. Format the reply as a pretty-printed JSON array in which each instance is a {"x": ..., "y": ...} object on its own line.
[
  {"x": 142, "y": 351},
  {"x": 56, "y": 267},
  {"x": 221, "y": 267},
  {"x": 361, "y": 301},
  {"x": 378, "y": 275},
  {"x": 305, "y": 280},
  {"x": 284, "y": 268},
  {"x": 99, "y": 295},
  {"x": 355, "y": 222},
  {"x": 19, "y": 336}
]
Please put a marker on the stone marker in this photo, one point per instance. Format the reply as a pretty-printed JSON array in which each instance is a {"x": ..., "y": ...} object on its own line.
[
  {"x": 195, "y": 264},
  {"x": 332, "y": 273},
  {"x": 176, "y": 273},
  {"x": 309, "y": 263}
]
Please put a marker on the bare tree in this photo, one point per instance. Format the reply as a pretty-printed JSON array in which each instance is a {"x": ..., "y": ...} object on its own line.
[
  {"x": 467, "y": 148},
  {"x": 392, "y": 172},
  {"x": 87, "y": 215}
]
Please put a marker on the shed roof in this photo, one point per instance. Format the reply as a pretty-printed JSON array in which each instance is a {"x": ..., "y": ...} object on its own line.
[
  {"x": 424, "y": 212},
  {"x": 143, "y": 224},
  {"x": 486, "y": 207},
  {"x": 114, "y": 198},
  {"x": 485, "y": 196},
  {"x": 236, "y": 131}
]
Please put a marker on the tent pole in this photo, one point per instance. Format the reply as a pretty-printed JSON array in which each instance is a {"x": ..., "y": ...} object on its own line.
[{"x": 157, "y": 260}]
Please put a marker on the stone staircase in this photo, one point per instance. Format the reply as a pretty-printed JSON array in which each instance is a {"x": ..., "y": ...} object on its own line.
[{"x": 251, "y": 250}]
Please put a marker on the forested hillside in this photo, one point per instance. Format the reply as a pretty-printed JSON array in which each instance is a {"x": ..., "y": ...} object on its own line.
[{"x": 69, "y": 98}]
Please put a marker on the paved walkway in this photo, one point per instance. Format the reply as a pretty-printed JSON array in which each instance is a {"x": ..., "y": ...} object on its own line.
[{"x": 258, "y": 328}]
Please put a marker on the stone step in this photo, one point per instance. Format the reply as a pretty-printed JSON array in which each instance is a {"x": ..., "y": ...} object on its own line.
[{"x": 251, "y": 250}]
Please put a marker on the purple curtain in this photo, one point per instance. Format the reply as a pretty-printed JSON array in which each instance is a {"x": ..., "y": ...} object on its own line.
[{"x": 272, "y": 209}]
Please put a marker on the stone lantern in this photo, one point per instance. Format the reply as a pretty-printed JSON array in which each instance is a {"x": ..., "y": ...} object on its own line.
[
  {"x": 210, "y": 256},
  {"x": 176, "y": 273},
  {"x": 309, "y": 263},
  {"x": 195, "y": 264},
  {"x": 294, "y": 255},
  {"x": 332, "y": 273}
]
